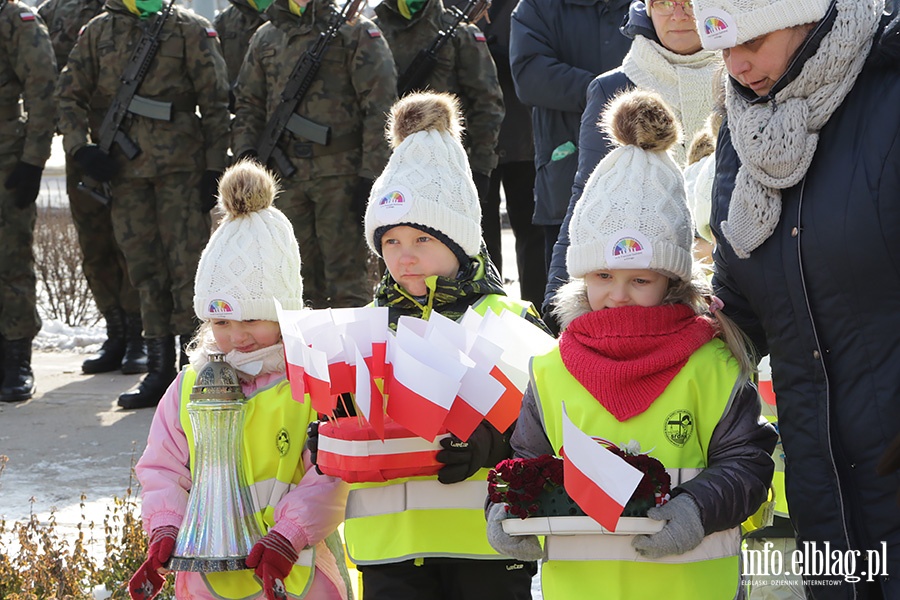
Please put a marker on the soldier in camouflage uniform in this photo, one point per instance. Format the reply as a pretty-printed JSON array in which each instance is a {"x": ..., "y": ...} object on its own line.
[
  {"x": 236, "y": 25},
  {"x": 160, "y": 199},
  {"x": 27, "y": 70},
  {"x": 464, "y": 68},
  {"x": 107, "y": 279},
  {"x": 352, "y": 92}
]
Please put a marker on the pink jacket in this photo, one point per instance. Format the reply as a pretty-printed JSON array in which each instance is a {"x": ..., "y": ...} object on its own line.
[{"x": 306, "y": 515}]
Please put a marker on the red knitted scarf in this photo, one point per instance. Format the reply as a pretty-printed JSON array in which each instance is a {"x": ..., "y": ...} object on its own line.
[{"x": 625, "y": 357}]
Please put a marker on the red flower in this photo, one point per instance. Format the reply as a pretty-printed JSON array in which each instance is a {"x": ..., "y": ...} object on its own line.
[{"x": 519, "y": 482}]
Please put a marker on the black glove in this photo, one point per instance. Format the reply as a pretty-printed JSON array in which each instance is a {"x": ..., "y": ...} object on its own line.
[
  {"x": 95, "y": 163},
  {"x": 26, "y": 180},
  {"x": 485, "y": 448},
  {"x": 361, "y": 198},
  {"x": 482, "y": 185},
  {"x": 312, "y": 443},
  {"x": 209, "y": 190}
]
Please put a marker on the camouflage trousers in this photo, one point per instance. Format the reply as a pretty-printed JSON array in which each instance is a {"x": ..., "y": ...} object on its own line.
[
  {"x": 102, "y": 261},
  {"x": 161, "y": 230},
  {"x": 18, "y": 294},
  {"x": 332, "y": 248}
]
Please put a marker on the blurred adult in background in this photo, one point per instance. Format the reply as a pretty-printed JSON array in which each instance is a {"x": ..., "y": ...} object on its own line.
[
  {"x": 556, "y": 48},
  {"x": 464, "y": 68},
  {"x": 805, "y": 216},
  {"x": 235, "y": 26},
  {"x": 161, "y": 198},
  {"x": 666, "y": 57},
  {"x": 515, "y": 167},
  {"x": 27, "y": 72},
  {"x": 102, "y": 262}
]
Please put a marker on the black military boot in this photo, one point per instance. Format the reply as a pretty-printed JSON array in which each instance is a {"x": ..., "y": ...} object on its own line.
[
  {"x": 135, "y": 359},
  {"x": 160, "y": 373},
  {"x": 18, "y": 379},
  {"x": 109, "y": 358}
]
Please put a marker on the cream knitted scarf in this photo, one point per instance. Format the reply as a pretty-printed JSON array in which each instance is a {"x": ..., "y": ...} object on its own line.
[
  {"x": 684, "y": 81},
  {"x": 776, "y": 141}
]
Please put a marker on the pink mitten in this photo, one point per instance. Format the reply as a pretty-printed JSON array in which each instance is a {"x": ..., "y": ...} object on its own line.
[
  {"x": 272, "y": 559},
  {"x": 147, "y": 582}
]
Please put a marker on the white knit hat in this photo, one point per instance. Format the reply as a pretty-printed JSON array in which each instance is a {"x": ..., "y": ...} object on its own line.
[
  {"x": 633, "y": 213},
  {"x": 427, "y": 182},
  {"x": 728, "y": 23},
  {"x": 252, "y": 258}
]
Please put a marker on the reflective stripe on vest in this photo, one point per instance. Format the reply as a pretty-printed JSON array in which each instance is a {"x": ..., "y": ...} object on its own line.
[
  {"x": 676, "y": 429},
  {"x": 274, "y": 439},
  {"x": 419, "y": 517}
]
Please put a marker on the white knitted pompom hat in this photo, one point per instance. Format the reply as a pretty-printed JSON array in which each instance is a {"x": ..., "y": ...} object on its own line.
[
  {"x": 253, "y": 257},
  {"x": 728, "y": 23},
  {"x": 633, "y": 213},
  {"x": 427, "y": 182}
]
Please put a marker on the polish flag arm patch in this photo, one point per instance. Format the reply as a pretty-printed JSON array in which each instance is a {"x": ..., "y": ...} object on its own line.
[
  {"x": 26, "y": 16},
  {"x": 374, "y": 32},
  {"x": 210, "y": 32},
  {"x": 479, "y": 37}
]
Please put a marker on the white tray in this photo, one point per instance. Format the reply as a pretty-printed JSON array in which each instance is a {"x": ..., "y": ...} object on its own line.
[{"x": 578, "y": 526}]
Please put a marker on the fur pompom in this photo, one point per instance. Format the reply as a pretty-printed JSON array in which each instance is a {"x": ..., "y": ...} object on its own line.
[
  {"x": 641, "y": 118},
  {"x": 423, "y": 111},
  {"x": 247, "y": 187}
]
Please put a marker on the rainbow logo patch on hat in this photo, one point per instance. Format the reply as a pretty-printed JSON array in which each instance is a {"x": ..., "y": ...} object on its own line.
[
  {"x": 219, "y": 307},
  {"x": 393, "y": 204},
  {"x": 628, "y": 249},
  {"x": 627, "y": 245},
  {"x": 718, "y": 30},
  {"x": 714, "y": 24},
  {"x": 394, "y": 197}
]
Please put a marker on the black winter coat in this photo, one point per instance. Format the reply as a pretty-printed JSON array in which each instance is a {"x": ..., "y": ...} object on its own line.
[
  {"x": 556, "y": 48},
  {"x": 822, "y": 296}
]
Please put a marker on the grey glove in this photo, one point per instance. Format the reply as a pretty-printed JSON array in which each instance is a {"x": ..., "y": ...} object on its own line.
[
  {"x": 522, "y": 547},
  {"x": 682, "y": 533}
]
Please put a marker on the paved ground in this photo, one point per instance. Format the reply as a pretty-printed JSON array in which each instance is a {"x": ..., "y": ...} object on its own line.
[{"x": 70, "y": 439}]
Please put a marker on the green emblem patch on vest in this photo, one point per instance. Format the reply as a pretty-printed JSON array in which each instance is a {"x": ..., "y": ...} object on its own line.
[
  {"x": 283, "y": 441},
  {"x": 679, "y": 426}
]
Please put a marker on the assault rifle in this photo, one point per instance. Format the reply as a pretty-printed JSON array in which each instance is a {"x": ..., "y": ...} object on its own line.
[
  {"x": 413, "y": 78},
  {"x": 125, "y": 101},
  {"x": 298, "y": 84}
]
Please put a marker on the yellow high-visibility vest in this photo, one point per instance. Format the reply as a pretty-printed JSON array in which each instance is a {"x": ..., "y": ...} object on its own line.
[
  {"x": 676, "y": 430},
  {"x": 274, "y": 439}
]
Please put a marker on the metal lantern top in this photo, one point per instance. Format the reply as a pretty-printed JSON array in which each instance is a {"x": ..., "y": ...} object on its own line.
[{"x": 217, "y": 381}]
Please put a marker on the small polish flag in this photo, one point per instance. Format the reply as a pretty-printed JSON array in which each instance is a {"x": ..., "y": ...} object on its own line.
[
  {"x": 318, "y": 384},
  {"x": 373, "y": 32},
  {"x": 368, "y": 396},
  {"x": 26, "y": 16},
  {"x": 479, "y": 37},
  {"x": 420, "y": 395},
  {"x": 293, "y": 358},
  {"x": 210, "y": 32},
  {"x": 598, "y": 480}
]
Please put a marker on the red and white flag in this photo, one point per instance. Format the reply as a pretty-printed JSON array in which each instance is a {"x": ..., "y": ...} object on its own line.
[
  {"x": 420, "y": 395},
  {"x": 368, "y": 397},
  {"x": 598, "y": 480}
]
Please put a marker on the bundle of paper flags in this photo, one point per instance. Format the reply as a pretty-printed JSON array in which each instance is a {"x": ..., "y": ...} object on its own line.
[{"x": 429, "y": 377}]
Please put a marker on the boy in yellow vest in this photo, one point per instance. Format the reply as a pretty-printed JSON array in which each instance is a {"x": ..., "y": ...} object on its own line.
[
  {"x": 644, "y": 356},
  {"x": 251, "y": 260},
  {"x": 424, "y": 219}
]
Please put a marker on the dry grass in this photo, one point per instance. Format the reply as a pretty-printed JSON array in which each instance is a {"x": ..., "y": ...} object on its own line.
[{"x": 48, "y": 565}]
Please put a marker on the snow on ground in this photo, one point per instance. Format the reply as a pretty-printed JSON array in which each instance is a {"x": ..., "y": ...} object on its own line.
[{"x": 56, "y": 335}]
